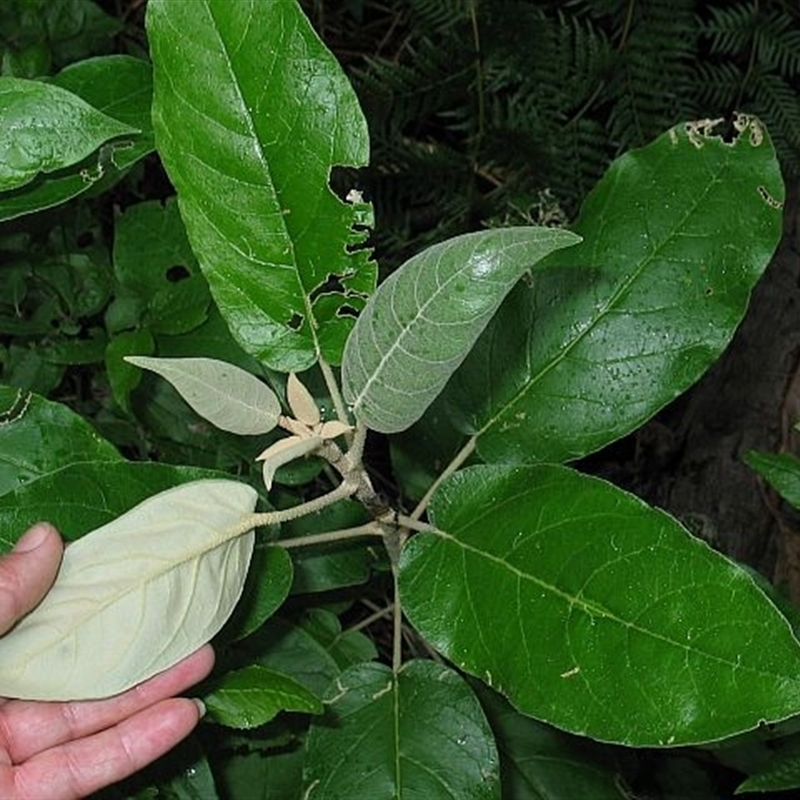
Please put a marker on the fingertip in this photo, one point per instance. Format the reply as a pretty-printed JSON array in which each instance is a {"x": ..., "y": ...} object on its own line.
[{"x": 35, "y": 537}]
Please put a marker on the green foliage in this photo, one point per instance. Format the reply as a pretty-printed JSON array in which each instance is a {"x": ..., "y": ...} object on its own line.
[{"x": 526, "y": 630}]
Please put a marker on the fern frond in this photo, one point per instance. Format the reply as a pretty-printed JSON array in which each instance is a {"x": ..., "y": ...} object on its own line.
[
  {"x": 777, "y": 44},
  {"x": 730, "y": 29}
]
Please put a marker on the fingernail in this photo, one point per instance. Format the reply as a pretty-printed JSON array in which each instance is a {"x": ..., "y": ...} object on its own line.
[
  {"x": 201, "y": 706},
  {"x": 32, "y": 538}
]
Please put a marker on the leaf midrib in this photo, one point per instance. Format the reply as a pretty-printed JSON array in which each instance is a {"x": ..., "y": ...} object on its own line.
[
  {"x": 312, "y": 322},
  {"x": 592, "y": 609},
  {"x": 616, "y": 296}
]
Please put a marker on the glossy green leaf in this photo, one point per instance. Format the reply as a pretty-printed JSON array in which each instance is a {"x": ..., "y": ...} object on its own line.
[
  {"x": 102, "y": 627},
  {"x": 83, "y": 496},
  {"x": 538, "y": 762},
  {"x": 38, "y": 437},
  {"x": 593, "y": 612},
  {"x": 254, "y": 695},
  {"x": 47, "y": 128},
  {"x": 228, "y": 397},
  {"x": 119, "y": 86},
  {"x": 251, "y": 112},
  {"x": 426, "y": 316},
  {"x": 421, "y": 733},
  {"x": 675, "y": 235},
  {"x": 780, "y": 470},
  {"x": 267, "y": 586}
]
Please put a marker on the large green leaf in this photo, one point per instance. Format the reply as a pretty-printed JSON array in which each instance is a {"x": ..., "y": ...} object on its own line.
[
  {"x": 421, "y": 323},
  {"x": 38, "y": 437},
  {"x": 594, "y": 612},
  {"x": 119, "y": 86},
  {"x": 134, "y": 596},
  {"x": 250, "y": 112},
  {"x": 674, "y": 237},
  {"x": 420, "y": 733},
  {"x": 47, "y": 128},
  {"x": 83, "y": 496}
]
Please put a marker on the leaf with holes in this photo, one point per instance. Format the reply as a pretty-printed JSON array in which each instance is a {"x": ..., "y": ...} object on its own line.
[
  {"x": 593, "y": 612},
  {"x": 422, "y": 321},
  {"x": 228, "y": 397},
  {"x": 675, "y": 235},
  {"x": 120, "y": 87},
  {"x": 251, "y": 112},
  {"x": 102, "y": 628}
]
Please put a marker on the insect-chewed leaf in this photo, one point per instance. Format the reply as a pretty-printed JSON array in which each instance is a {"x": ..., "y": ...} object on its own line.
[
  {"x": 135, "y": 596},
  {"x": 227, "y": 396},
  {"x": 46, "y": 128},
  {"x": 424, "y": 319}
]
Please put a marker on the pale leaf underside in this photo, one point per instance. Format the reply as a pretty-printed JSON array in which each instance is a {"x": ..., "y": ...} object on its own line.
[
  {"x": 134, "y": 596},
  {"x": 227, "y": 396}
]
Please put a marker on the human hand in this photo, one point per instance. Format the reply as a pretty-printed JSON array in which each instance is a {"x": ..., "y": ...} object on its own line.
[{"x": 62, "y": 751}]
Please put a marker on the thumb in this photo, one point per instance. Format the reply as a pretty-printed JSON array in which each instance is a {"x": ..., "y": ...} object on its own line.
[{"x": 27, "y": 572}]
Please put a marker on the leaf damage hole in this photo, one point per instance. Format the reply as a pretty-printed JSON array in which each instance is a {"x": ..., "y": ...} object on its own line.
[
  {"x": 768, "y": 198},
  {"x": 17, "y": 409},
  {"x": 347, "y": 311},
  {"x": 699, "y": 130},
  {"x": 177, "y": 273},
  {"x": 295, "y": 322},
  {"x": 331, "y": 285}
]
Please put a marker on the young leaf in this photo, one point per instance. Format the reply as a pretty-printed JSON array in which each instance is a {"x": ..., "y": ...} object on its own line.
[
  {"x": 420, "y": 733},
  {"x": 675, "y": 235},
  {"x": 227, "y": 396},
  {"x": 595, "y": 613},
  {"x": 283, "y": 451},
  {"x": 422, "y": 321},
  {"x": 254, "y": 695},
  {"x": 302, "y": 402},
  {"x": 134, "y": 597},
  {"x": 46, "y": 128},
  {"x": 250, "y": 113}
]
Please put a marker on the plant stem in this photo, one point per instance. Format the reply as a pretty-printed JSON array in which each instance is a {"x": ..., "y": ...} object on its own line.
[
  {"x": 346, "y": 488},
  {"x": 368, "y": 529},
  {"x": 460, "y": 457},
  {"x": 335, "y": 393}
]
